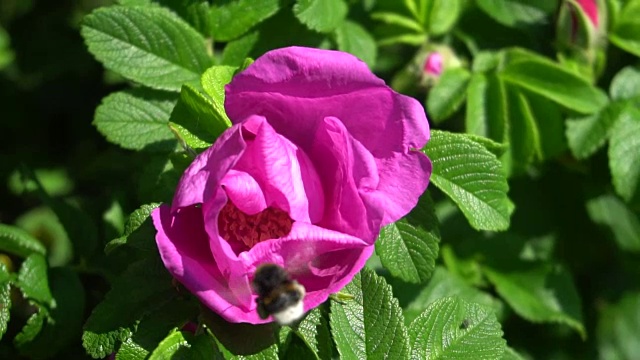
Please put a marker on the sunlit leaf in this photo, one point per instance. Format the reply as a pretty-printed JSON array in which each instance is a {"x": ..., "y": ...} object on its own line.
[
  {"x": 472, "y": 177},
  {"x": 371, "y": 325},
  {"x": 165, "y": 55},
  {"x": 408, "y": 248},
  {"x": 453, "y": 328},
  {"x": 137, "y": 119}
]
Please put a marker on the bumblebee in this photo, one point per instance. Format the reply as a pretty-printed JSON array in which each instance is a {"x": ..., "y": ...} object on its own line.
[{"x": 278, "y": 295}]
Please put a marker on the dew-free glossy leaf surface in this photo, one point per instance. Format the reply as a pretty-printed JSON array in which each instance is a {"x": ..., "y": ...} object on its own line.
[
  {"x": 137, "y": 119},
  {"x": 472, "y": 177},
  {"x": 451, "y": 328},
  {"x": 408, "y": 248},
  {"x": 371, "y": 325},
  {"x": 150, "y": 45}
]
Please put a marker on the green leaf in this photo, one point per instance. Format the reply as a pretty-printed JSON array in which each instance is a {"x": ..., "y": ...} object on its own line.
[
  {"x": 213, "y": 82},
  {"x": 408, "y": 248},
  {"x": 587, "y": 134},
  {"x": 609, "y": 211},
  {"x": 143, "y": 287},
  {"x": 135, "y": 232},
  {"x": 444, "y": 284},
  {"x": 150, "y": 45},
  {"x": 541, "y": 293},
  {"x": 33, "y": 280},
  {"x": 155, "y": 325},
  {"x": 56, "y": 181},
  {"x": 5, "y": 299},
  {"x": 237, "y": 50},
  {"x": 618, "y": 329},
  {"x": 476, "y": 118},
  {"x": 296, "y": 347},
  {"x": 113, "y": 219},
  {"x": 19, "y": 242},
  {"x": 495, "y": 148},
  {"x": 79, "y": 226},
  {"x": 6, "y": 54},
  {"x": 64, "y": 323},
  {"x": 197, "y": 120},
  {"x": 553, "y": 82},
  {"x": 624, "y": 153},
  {"x": 549, "y": 122},
  {"x": 314, "y": 330},
  {"x": 195, "y": 12},
  {"x": 510, "y": 354},
  {"x": 452, "y": 328},
  {"x": 321, "y": 15},
  {"x": 43, "y": 222},
  {"x": 626, "y": 84},
  {"x": 472, "y": 177},
  {"x": 487, "y": 107},
  {"x": 232, "y": 19},
  {"x": 408, "y": 39},
  {"x": 448, "y": 94},
  {"x": 159, "y": 179},
  {"x": 524, "y": 137},
  {"x": 137, "y": 119},
  {"x": 626, "y": 29},
  {"x": 519, "y": 12},
  {"x": 241, "y": 339},
  {"x": 32, "y": 328},
  {"x": 356, "y": 40},
  {"x": 183, "y": 345},
  {"x": 442, "y": 15},
  {"x": 398, "y": 20},
  {"x": 486, "y": 61},
  {"x": 371, "y": 325},
  {"x": 139, "y": 217}
]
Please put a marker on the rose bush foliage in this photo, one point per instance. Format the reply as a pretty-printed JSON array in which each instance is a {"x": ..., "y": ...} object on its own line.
[{"x": 321, "y": 155}]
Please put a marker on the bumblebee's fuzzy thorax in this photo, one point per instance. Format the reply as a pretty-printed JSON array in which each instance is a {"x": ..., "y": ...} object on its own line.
[{"x": 278, "y": 295}]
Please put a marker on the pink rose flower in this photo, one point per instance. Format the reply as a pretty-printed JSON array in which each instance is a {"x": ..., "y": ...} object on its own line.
[
  {"x": 321, "y": 155},
  {"x": 433, "y": 64}
]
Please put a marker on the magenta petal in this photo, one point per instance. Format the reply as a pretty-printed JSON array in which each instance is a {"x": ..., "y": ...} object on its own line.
[
  {"x": 278, "y": 165},
  {"x": 348, "y": 171},
  {"x": 286, "y": 85},
  {"x": 244, "y": 192},
  {"x": 184, "y": 249},
  {"x": 403, "y": 179},
  {"x": 201, "y": 179},
  {"x": 225, "y": 256}
]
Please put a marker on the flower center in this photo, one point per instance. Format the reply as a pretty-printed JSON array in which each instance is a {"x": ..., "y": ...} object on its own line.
[{"x": 236, "y": 226}]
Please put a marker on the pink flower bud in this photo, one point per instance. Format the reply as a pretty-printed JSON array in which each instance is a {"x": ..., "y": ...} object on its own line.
[
  {"x": 433, "y": 64},
  {"x": 590, "y": 8}
]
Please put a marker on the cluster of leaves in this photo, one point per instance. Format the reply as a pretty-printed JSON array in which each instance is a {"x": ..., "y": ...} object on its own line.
[{"x": 469, "y": 270}]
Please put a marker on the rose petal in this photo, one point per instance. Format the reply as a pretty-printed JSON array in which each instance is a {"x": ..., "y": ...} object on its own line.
[
  {"x": 297, "y": 83},
  {"x": 223, "y": 253},
  {"x": 183, "y": 247},
  {"x": 294, "y": 83},
  {"x": 244, "y": 191},
  {"x": 278, "y": 166},
  {"x": 403, "y": 178},
  {"x": 347, "y": 170},
  {"x": 202, "y": 178}
]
